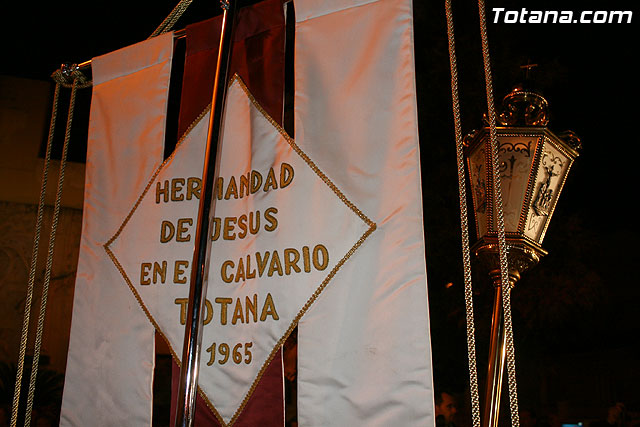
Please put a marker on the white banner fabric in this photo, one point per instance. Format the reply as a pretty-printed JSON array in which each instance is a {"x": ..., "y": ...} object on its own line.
[
  {"x": 364, "y": 348},
  {"x": 111, "y": 351},
  {"x": 280, "y": 233}
]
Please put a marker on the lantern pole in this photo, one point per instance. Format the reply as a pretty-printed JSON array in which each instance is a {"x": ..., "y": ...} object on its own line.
[
  {"x": 200, "y": 263},
  {"x": 522, "y": 257},
  {"x": 497, "y": 355},
  {"x": 536, "y": 163}
]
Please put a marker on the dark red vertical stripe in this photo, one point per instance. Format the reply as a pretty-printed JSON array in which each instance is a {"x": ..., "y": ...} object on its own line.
[{"x": 258, "y": 57}]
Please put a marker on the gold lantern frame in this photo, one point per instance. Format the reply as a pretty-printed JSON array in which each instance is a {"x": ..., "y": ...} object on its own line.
[{"x": 534, "y": 164}]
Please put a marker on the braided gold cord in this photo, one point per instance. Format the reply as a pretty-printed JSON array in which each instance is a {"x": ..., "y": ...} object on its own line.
[
  {"x": 78, "y": 80},
  {"x": 34, "y": 259},
  {"x": 74, "y": 77},
  {"x": 466, "y": 253},
  {"x": 172, "y": 18},
  {"x": 499, "y": 212}
]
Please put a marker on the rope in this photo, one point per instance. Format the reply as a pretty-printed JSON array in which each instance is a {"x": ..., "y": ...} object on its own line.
[
  {"x": 34, "y": 256},
  {"x": 173, "y": 17},
  {"x": 69, "y": 75},
  {"x": 78, "y": 79},
  {"x": 466, "y": 257},
  {"x": 61, "y": 78},
  {"x": 498, "y": 207}
]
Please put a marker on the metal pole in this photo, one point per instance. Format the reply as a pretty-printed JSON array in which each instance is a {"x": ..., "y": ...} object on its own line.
[
  {"x": 200, "y": 263},
  {"x": 522, "y": 257},
  {"x": 497, "y": 353}
]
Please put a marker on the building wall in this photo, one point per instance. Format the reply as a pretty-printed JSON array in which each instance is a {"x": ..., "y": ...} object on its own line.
[{"x": 17, "y": 225}]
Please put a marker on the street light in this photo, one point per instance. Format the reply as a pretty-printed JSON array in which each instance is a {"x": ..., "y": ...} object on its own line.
[{"x": 534, "y": 164}]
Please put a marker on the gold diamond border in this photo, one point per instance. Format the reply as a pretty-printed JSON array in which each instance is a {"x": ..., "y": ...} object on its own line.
[{"x": 372, "y": 227}]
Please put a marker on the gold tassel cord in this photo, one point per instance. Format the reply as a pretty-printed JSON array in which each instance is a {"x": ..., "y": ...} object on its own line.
[
  {"x": 61, "y": 77},
  {"x": 34, "y": 257},
  {"x": 78, "y": 78},
  {"x": 172, "y": 18},
  {"x": 502, "y": 245},
  {"x": 466, "y": 257}
]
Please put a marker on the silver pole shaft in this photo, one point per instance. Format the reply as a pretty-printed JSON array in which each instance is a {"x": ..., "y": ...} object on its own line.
[{"x": 200, "y": 263}]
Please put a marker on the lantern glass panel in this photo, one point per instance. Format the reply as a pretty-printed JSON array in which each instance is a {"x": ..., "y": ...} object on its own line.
[
  {"x": 552, "y": 171},
  {"x": 478, "y": 174},
  {"x": 516, "y": 154}
]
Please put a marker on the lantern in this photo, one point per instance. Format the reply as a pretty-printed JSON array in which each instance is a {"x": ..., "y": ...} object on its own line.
[{"x": 534, "y": 164}]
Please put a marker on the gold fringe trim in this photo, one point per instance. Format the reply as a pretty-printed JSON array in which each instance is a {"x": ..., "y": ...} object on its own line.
[{"x": 372, "y": 227}]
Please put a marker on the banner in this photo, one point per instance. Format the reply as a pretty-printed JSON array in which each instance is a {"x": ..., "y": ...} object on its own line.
[
  {"x": 258, "y": 57},
  {"x": 111, "y": 350},
  {"x": 322, "y": 232},
  {"x": 363, "y": 348}
]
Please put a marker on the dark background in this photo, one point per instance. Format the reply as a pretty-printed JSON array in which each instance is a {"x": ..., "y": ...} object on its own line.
[{"x": 575, "y": 315}]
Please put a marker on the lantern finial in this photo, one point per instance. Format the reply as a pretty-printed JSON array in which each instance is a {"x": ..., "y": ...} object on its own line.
[{"x": 524, "y": 107}]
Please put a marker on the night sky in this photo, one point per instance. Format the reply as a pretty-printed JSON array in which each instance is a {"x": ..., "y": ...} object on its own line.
[
  {"x": 581, "y": 302},
  {"x": 582, "y": 299}
]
